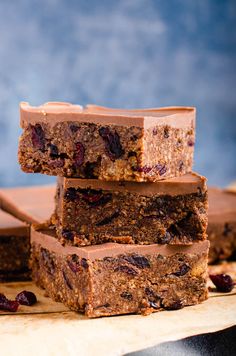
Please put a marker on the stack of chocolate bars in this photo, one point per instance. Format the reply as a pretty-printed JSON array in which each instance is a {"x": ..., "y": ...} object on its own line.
[{"x": 130, "y": 216}]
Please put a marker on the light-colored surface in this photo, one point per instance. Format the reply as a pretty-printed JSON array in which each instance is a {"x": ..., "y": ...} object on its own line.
[
  {"x": 54, "y": 112},
  {"x": 51, "y": 329},
  {"x": 31, "y": 204},
  {"x": 186, "y": 184}
]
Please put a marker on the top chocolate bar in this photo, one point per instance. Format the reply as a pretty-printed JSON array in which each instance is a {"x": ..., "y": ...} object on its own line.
[{"x": 67, "y": 140}]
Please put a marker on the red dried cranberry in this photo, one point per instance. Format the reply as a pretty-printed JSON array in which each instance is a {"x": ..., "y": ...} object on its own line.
[
  {"x": 165, "y": 239},
  {"x": 3, "y": 298},
  {"x": 183, "y": 270},
  {"x": 73, "y": 263},
  {"x": 161, "y": 168},
  {"x": 166, "y": 132},
  {"x": 126, "y": 269},
  {"x": 70, "y": 194},
  {"x": 112, "y": 143},
  {"x": 108, "y": 219},
  {"x": 48, "y": 261},
  {"x": 67, "y": 281},
  {"x": 138, "y": 261},
  {"x": 223, "y": 282},
  {"x": 84, "y": 263},
  {"x": 144, "y": 169},
  {"x": 95, "y": 197},
  {"x": 181, "y": 166},
  {"x": 154, "y": 131},
  {"x": 134, "y": 138},
  {"x": 190, "y": 143},
  {"x": 53, "y": 150},
  {"x": 79, "y": 154},
  {"x": 38, "y": 137},
  {"x": 8, "y": 305},
  {"x": 89, "y": 170},
  {"x": 68, "y": 235},
  {"x": 26, "y": 298},
  {"x": 74, "y": 128}
]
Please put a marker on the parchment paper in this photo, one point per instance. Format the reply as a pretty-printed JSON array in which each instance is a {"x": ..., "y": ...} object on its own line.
[{"x": 49, "y": 328}]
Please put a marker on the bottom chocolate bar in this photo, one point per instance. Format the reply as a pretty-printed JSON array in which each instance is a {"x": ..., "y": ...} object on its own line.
[
  {"x": 112, "y": 279},
  {"x": 14, "y": 249}
]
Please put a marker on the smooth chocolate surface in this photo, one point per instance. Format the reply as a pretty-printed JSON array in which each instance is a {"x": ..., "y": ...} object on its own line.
[
  {"x": 30, "y": 204},
  {"x": 95, "y": 252},
  {"x": 58, "y": 111},
  {"x": 187, "y": 184}
]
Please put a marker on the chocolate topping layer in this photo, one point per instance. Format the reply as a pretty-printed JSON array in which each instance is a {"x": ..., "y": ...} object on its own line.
[
  {"x": 53, "y": 112},
  {"x": 222, "y": 205},
  {"x": 47, "y": 240},
  {"x": 10, "y": 226},
  {"x": 187, "y": 184},
  {"x": 29, "y": 204}
]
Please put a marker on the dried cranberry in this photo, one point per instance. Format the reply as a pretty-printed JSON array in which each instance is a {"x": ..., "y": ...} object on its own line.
[
  {"x": 95, "y": 197},
  {"x": 126, "y": 295},
  {"x": 134, "y": 138},
  {"x": 74, "y": 128},
  {"x": 70, "y": 194},
  {"x": 38, "y": 137},
  {"x": 126, "y": 269},
  {"x": 26, "y": 298},
  {"x": 3, "y": 298},
  {"x": 112, "y": 143},
  {"x": 161, "y": 168},
  {"x": 144, "y": 169},
  {"x": 183, "y": 270},
  {"x": 9, "y": 305},
  {"x": 190, "y": 143},
  {"x": 89, "y": 170},
  {"x": 48, "y": 261},
  {"x": 73, "y": 263},
  {"x": 154, "y": 131},
  {"x": 73, "y": 266},
  {"x": 53, "y": 151},
  {"x": 166, "y": 132},
  {"x": 223, "y": 282},
  {"x": 165, "y": 239},
  {"x": 68, "y": 235},
  {"x": 67, "y": 281},
  {"x": 108, "y": 219},
  {"x": 79, "y": 154},
  {"x": 84, "y": 263},
  {"x": 181, "y": 166},
  {"x": 138, "y": 261}
]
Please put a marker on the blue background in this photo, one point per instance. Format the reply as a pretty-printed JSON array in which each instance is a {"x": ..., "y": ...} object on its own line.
[{"x": 123, "y": 53}]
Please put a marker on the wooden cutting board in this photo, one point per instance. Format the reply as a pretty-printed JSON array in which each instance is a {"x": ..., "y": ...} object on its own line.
[{"x": 49, "y": 328}]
